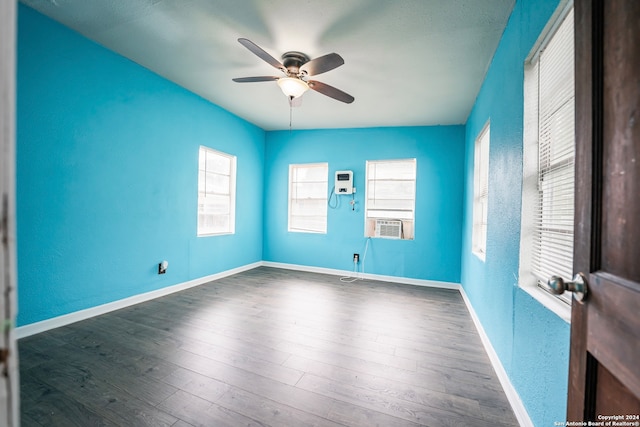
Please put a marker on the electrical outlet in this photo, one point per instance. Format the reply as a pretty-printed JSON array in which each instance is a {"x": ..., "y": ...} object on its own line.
[
  {"x": 162, "y": 267},
  {"x": 356, "y": 258}
]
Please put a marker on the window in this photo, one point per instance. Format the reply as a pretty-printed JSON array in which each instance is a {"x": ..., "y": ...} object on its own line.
[
  {"x": 390, "y": 199},
  {"x": 308, "y": 185},
  {"x": 216, "y": 192},
  {"x": 480, "y": 192},
  {"x": 549, "y": 151}
]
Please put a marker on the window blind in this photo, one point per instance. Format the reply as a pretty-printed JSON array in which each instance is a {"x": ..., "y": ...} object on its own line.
[
  {"x": 481, "y": 192},
  {"x": 391, "y": 189},
  {"x": 390, "y": 197},
  {"x": 553, "y": 73},
  {"x": 216, "y": 188},
  {"x": 308, "y": 197}
]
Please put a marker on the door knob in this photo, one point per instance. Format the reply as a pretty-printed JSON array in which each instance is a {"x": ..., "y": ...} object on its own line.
[{"x": 578, "y": 286}]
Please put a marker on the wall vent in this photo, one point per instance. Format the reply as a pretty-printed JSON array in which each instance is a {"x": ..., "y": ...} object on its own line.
[{"x": 389, "y": 228}]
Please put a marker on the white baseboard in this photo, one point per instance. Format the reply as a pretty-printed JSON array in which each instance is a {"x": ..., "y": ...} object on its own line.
[
  {"x": 346, "y": 273},
  {"x": 512, "y": 395},
  {"x": 76, "y": 316}
]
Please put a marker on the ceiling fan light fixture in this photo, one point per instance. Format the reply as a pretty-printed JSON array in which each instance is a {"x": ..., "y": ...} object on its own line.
[{"x": 292, "y": 87}]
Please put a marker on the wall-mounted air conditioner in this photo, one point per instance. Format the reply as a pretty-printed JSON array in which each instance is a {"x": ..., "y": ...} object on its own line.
[{"x": 389, "y": 228}]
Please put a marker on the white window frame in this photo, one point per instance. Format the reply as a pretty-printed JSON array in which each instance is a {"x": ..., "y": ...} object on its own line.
[
  {"x": 549, "y": 149},
  {"x": 301, "y": 204},
  {"x": 403, "y": 209},
  {"x": 206, "y": 195},
  {"x": 481, "y": 192}
]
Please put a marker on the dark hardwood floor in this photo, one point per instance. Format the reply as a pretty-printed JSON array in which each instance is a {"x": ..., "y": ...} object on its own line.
[{"x": 268, "y": 347}]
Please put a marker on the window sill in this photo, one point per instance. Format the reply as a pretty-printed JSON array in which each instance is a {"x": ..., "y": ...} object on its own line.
[
  {"x": 401, "y": 239},
  {"x": 216, "y": 234},
  {"x": 552, "y": 303},
  {"x": 480, "y": 255}
]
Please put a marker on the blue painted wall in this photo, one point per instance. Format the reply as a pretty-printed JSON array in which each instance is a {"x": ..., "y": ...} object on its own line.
[
  {"x": 531, "y": 341},
  {"x": 435, "y": 252},
  {"x": 107, "y": 158}
]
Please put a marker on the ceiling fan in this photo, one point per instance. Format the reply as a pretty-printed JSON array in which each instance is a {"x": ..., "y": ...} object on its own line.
[{"x": 297, "y": 67}]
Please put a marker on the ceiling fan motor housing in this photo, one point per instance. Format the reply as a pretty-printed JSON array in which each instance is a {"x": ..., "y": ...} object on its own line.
[{"x": 293, "y": 61}]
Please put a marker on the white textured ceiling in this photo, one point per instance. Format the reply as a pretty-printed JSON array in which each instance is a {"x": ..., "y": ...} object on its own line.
[{"x": 407, "y": 62}]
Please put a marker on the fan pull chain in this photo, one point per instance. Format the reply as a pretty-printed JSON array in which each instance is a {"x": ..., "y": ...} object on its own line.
[{"x": 290, "y": 112}]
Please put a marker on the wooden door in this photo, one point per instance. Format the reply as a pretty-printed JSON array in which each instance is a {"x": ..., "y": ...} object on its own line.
[
  {"x": 604, "y": 371},
  {"x": 9, "y": 395}
]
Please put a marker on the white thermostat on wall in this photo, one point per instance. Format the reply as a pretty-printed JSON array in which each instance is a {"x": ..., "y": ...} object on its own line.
[{"x": 344, "y": 182}]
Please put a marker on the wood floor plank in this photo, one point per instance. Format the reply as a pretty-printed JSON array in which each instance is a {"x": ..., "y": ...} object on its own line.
[
  {"x": 412, "y": 393},
  {"x": 304, "y": 400},
  {"x": 245, "y": 361},
  {"x": 270, "y": 411},
  {"x": 125, "y": 356},
  {"x": 389, "y": 405},
  {"x": 269, "y": 347},
  {"x": 419, "y": 394},
  {"x": 111, "y": 403},
  {"x": 137, "y": 383},
  {"x": 202, "y": 413},
  {"x": 200, "y": 331},
  {"x": 143, "y": 334},
  {"x": 197, "y": 384},
  {"x": 48, "y": 406}
]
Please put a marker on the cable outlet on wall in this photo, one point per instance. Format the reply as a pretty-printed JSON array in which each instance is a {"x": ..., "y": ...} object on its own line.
[{"x": 356, "y": 258}]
